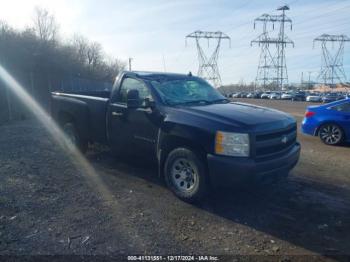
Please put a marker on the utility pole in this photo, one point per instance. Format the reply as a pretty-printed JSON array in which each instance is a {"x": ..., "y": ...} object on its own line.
[
  {"x": 309, "y": 82},
  {"x": 164, "y": 66},
  {"x": 130, "y": 60},
  {"x": 302, "y": 79},
  {"x": 332, "y": 70},
  {"x": 208, "y": 66}
]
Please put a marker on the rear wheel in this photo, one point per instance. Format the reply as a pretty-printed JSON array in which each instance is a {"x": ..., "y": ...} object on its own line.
[
  {"x": 74, "y": 137},
  {"x": 331, "y": 134},
  {"x": 186, "y": 174}
]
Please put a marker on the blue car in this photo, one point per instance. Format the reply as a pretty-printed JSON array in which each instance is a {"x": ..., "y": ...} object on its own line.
[{"x": 331, "y": 122}]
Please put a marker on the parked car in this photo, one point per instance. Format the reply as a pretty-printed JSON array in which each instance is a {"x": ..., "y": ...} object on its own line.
[
  {"x": 343, "y": 96},
  {"x": 314, "y": 98},
  {"x": 244, "y": 95},
  {"x": 331, "y": 97},
  {"x": 251, "y": 95},
  {"x": 236, "y": 95},
  {"x": 197, "y": 137},
  {"x": 331, "y": 122},
  {"x": 265, "y": 95},
  {"x": 275, "y": 96},
  {"x": 299, "y": 96},
  {"x": 258, "y": 94},
  {"x": 286, "y": 96}
]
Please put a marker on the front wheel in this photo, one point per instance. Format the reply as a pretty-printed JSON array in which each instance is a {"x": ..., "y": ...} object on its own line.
[
  {"x": 186, "y": 174},
  {"x": 331, "y": 134}
]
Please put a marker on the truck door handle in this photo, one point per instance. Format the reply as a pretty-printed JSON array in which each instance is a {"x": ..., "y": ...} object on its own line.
[{"x": 117, "y": 114}]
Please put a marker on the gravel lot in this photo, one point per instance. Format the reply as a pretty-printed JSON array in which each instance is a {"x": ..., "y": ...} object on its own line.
[{"x": 48, "y": 206}]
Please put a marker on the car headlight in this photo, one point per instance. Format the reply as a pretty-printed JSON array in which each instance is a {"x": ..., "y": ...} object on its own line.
[{"x": 232, "y": 144}]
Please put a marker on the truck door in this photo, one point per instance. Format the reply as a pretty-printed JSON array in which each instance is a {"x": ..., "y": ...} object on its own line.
[{"x": 132, "y": 130}]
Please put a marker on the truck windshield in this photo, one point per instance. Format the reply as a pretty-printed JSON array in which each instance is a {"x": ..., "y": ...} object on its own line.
[{"x": 187, "y": 91}]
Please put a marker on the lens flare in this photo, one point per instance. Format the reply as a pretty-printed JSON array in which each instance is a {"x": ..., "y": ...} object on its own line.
[
  {"x": 124, "y": 229},
  {"x": 57, "y": 134}
]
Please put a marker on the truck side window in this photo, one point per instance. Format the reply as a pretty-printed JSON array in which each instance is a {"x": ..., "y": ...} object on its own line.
[{"x": 130, "y": 83}]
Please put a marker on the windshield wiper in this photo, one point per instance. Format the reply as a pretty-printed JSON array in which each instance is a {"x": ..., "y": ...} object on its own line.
[
  {"x": 202, "y": 101},
  {"x": 222, "y": 100}
]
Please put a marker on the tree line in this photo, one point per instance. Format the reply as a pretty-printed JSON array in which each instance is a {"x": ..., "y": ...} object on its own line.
[
  {"x": 40, "y": 58},
  {"x": 40, "y": 48}
]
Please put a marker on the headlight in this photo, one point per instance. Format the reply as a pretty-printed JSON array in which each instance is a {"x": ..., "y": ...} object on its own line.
[{"x": 231, "y": 144}]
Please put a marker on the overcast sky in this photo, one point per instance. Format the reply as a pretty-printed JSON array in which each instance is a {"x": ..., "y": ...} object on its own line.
[{"x": 153, "y": 31}]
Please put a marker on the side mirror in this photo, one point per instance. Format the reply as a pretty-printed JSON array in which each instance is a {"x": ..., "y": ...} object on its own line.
[
  {"x": 149, "y": 103},
  {"x": 133, "y": 98}
]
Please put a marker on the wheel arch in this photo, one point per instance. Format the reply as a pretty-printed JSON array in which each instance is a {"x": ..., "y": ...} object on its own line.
[
  {"x": 170, "y": 142},
  {"x": 79, "y": 120},
  {"x": 64, "y": 117}
]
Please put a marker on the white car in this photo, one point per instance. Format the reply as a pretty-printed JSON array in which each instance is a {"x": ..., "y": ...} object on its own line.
[
  {"x": 314, "y": 98},
  {"x": 286, "y": 96},
  {"x": 265, "y": 95},
  {"x": 275, "y": 96}
]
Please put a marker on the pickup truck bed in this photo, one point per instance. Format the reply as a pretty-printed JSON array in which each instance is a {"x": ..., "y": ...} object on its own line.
[{"x": 85, "y": 110}]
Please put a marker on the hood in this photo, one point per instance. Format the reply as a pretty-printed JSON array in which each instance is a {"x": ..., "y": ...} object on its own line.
[{"x": 241, "y": 115}]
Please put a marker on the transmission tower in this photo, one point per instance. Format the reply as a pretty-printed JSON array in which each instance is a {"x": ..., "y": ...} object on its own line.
[
  {"x": 265, "y": 75},
  {"x": 273, "y": 68},
  {"x": 332, "y": 70},
  {"x": 208, "y": 65},
  {"x": 283, "y": 41}
]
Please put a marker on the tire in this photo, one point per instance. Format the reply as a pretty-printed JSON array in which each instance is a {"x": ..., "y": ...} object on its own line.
[
  {"x": 186, "y": 174},
  {"x": 331, "y": 134},
  {"x": 74, "y": 137}
]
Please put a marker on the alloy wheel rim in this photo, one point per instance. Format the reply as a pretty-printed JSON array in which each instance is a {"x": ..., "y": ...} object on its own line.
[
  {"x": 331, "y": 134},
  {"x": 184, "y": 175}
]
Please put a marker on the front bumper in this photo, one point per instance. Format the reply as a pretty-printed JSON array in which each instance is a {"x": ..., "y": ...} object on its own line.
[{"x": 225, "y": 171}]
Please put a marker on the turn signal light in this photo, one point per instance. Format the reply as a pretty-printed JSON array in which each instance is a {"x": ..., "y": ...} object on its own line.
[{"x": 309, "y": 114}]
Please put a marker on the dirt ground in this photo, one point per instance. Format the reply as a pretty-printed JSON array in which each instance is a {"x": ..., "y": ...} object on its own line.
[{"x": 48, "y": 206}]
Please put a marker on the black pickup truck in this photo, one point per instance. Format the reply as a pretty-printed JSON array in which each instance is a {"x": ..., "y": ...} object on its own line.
[{"x": 198, "y": 137}]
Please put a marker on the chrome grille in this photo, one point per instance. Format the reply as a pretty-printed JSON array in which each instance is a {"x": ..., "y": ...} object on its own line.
[{"x": 273, "y": 144}]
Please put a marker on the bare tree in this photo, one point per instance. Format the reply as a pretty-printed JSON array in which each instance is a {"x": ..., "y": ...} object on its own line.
[
  {"x": 81, "y": 45},
  {"x": 112, "y": 68},
  {"x": 4, "y": 27},
  {"x": 94, "y": 55},
  {"x": 45, "y": 25}
]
